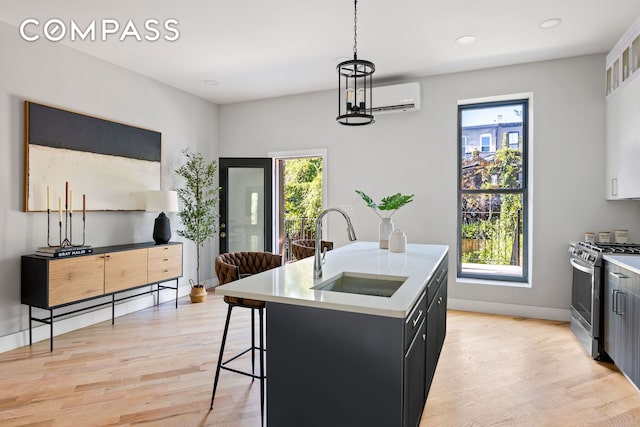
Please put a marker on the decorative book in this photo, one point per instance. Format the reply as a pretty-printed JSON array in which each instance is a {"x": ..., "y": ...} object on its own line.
[{"x": 63, "y": 251}]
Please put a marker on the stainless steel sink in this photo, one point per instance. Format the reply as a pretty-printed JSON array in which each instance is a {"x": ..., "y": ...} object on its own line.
[{"x": 379, "y": 285}]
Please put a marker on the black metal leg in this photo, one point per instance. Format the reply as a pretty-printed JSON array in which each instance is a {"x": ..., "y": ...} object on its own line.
[
  {"x": 253, "y": 343},
  {"x": 176, "y": 293},
  {"x": 224, "y": 340},
  {"x": 260, "y": 312},
  {"x": 50, "y": 330},
  {"x": 113, "y": 309},
  {"x": 30, "y": 328}
]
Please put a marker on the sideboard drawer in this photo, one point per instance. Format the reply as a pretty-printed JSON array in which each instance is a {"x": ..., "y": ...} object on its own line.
[
  {"x": 74, "y": 279},
  {"x": 165, "y": 251}
]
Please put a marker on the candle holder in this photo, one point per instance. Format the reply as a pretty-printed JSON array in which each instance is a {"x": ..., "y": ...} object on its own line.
[
  {"x": 66, "y": 246},
  {"x": 67, "y": 240},
  {"x": 49, "y": 227},
  {"x": 68, "y": 216}
]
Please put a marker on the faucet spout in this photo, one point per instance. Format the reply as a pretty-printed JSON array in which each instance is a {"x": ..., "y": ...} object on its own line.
[{"x": 318, "y": 259}]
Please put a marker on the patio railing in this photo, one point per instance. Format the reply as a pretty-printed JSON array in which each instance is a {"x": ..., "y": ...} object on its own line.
[
  {"x": 488, "y": 241},
  {"x": 296, "y": 229}
]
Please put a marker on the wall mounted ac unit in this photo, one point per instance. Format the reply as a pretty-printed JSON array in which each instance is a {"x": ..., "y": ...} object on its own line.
[{"x": 396, "y": 98}]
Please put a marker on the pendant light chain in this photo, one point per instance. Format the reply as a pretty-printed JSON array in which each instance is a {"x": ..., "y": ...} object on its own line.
[{"x": 355, "y": 28}]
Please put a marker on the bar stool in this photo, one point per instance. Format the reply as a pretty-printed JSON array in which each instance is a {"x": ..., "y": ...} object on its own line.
[
  {"x": 305, "y": 248},
  {"x": 234, "y": 266}
]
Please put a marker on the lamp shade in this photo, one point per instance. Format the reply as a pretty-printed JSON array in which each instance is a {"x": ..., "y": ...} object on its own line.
[{"x": 162, "y": 201}]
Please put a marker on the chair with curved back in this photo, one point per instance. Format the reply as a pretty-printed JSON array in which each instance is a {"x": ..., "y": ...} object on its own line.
[
  {"x": 235, "y": 266},
  {"x": 304, "y": 248}
]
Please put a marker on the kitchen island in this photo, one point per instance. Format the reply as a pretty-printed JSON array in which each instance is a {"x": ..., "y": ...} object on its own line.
[{"x": 358, "y": 346}]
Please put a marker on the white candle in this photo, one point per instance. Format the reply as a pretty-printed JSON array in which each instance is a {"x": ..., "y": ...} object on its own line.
[
  {"x": 360, "y": 96},
  {"x": 48, "y": 197},
  {"x": 70, "y": 201},
  {"x": 350, "y": 96},
  {"x": 60, "y": 209}
]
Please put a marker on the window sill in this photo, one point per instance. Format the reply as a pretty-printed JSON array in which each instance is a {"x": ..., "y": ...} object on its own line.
[{"x": 490, "y": 282}]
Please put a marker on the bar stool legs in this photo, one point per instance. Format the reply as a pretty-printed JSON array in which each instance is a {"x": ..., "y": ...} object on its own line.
[{"x": 253, "y": 348}]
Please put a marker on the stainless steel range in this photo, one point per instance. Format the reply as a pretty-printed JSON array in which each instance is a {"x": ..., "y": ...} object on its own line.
[{"x": 587, "y": 290}]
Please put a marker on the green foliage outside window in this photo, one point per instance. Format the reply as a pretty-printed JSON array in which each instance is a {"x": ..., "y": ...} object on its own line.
[
  {"x": 492, "y": 223},
  {"x": 303, "y": 188}
]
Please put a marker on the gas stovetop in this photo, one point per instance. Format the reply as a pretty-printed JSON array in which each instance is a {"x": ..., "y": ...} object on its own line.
[
  {"x": 592, "y": 252},
  {"x": 618, "y": 248}
]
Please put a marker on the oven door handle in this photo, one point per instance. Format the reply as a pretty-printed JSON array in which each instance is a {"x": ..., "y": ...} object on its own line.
[{"x": 575, "y": 264}]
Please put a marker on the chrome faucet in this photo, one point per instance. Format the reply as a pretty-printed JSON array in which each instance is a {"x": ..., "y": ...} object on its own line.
[{"x": 318, "y": 260}]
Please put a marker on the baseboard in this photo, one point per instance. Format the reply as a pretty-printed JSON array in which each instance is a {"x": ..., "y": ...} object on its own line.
[
  {"x": 90, "y": 317},
  {"x": 531, "y": 311}
]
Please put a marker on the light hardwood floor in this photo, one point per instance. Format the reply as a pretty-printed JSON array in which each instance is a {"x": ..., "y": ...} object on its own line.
[{"x": 156, "y": 366}]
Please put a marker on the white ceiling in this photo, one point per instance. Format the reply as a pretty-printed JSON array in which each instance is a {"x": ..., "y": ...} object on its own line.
[{"x": 259, "y": 49}]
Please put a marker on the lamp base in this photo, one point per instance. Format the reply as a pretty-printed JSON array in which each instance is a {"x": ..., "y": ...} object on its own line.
[{"x": 161, "y": 229}]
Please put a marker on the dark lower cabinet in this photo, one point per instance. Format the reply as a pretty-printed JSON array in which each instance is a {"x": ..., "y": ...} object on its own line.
[
  {"x": 436, "y": 331},
  {"x": 336, "y": 368},
  {"x": 414, "y": 378},
  {"x": 622, "y": 319}
]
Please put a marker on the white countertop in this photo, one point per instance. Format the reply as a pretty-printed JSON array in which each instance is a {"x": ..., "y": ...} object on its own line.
[
  {"x": 292, "y": 283},
  {"x": 631, "y": 262}
]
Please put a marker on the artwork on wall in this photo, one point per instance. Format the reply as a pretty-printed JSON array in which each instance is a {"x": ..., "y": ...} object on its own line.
[{"x": 113, "y": 163}]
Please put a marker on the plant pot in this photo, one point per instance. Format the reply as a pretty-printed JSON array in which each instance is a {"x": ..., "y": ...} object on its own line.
[
  {"x": 198, "y": 294},
  {"x": 386, "y": 228}
]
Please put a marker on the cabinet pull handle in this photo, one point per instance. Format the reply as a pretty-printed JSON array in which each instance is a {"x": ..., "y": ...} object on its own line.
[
  {"x": 439, "y": 300},
  {"x": 613, "y": 301},
  {"x": 424, "y": 337},
  {"x": 618, "y": 275},
  {"x": 620, "y": 311},
  {"x": 440, "y": 275},
  {"x": 614, "y": 186},
  {"x": 415, "y": 322}
]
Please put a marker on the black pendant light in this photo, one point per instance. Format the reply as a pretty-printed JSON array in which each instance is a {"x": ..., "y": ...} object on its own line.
[{"x": 354, "y": 85}]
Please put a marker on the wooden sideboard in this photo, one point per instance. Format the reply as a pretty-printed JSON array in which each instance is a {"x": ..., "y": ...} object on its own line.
[{"x": 54, "y": 283}]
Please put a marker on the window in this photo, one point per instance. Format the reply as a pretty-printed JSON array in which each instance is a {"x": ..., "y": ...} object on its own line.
[
  {"x": 513, "y": 139},
  {"x": 485, "y": 142},
  {"x": 492, "y": 192}
]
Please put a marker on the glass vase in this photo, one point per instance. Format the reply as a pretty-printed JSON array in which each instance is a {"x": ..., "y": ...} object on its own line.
[{"x": 386, "y": 228}]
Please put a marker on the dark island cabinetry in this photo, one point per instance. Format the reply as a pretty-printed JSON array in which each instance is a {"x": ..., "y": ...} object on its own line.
[{"x": 340, "y": 368}]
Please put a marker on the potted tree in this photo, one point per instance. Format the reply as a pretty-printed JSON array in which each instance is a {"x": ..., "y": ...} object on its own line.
[{"x": 198, "y": 197}]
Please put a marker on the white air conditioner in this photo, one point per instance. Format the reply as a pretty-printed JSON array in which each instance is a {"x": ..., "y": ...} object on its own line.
[{"x": 396, "y": 98}]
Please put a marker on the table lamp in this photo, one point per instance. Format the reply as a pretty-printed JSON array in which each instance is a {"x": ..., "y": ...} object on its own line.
[{"x": 162, "y": 201}]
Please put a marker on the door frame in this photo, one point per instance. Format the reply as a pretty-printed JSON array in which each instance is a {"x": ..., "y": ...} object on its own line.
[
  {"x": 278, "y": 214},
  {"x": 266, "y": 163}
]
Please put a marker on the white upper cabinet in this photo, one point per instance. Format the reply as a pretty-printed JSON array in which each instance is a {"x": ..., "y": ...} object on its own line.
[{"x": 622, "y": 167}]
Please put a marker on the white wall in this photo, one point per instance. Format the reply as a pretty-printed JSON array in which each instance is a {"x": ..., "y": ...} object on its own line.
[
  {"x": 52, "y": 74},
  {"x": 416, "y": 153}
]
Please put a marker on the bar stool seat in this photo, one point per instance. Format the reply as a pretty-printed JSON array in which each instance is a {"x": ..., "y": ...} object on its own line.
[
  {"x": 234, "y": 266},
  {"x": 304, "y": 248}
]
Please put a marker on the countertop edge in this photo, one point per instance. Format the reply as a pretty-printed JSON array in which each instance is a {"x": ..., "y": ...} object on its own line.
[
  {"x": 623, "y": 261},
  {"x": 400, "y": 307}
]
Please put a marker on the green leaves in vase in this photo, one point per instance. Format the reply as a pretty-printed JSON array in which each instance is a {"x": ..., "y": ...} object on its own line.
[{"x": 389, "y": 203}]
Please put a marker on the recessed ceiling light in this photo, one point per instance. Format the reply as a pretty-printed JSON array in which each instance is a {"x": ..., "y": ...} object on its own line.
[
  {"x": 210, "y": 82},
  {"x": 468, "y": 39},
  {"x": 550, "y": 23}
]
